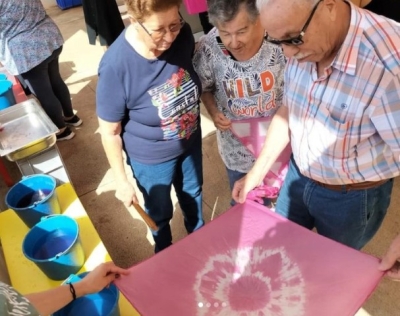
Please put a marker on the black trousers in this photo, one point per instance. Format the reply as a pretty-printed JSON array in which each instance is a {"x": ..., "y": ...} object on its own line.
[
  {"x": 46, "y": 84},
  {"x": 102, "y": 19},
  {"x": 205, "y": 23}
]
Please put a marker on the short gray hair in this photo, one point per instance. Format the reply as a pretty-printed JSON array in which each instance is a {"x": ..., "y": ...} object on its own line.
[
  {"x": 222, "y": 11},
  {"x": 260, "y": 4}
]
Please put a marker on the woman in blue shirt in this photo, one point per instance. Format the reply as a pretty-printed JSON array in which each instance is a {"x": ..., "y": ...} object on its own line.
[{"x": 148, "y": 106}]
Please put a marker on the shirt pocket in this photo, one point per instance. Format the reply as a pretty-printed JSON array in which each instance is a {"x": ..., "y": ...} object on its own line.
[{"x": 330, "y": 132}]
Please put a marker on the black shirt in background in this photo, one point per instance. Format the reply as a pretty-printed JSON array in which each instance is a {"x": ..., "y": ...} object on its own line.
[
  {"x": 387, "y": 8},
  {"x": 102, "y": 20}
]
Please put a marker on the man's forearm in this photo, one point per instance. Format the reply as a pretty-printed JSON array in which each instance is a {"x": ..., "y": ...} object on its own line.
[{"x": 275, "y": 142}]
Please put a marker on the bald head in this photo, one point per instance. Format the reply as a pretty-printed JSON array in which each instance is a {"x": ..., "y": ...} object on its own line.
[
  {"x": 282, "y": 18},
  {"x": 261, "y": 4},
  {"x": 317, "y": 27}
]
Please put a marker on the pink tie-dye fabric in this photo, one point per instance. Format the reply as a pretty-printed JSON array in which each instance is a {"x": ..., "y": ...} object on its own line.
[
  {"x": 195, "y": 6},
  {"x": 252, "y": 262},
  {"x": 251, "y": 133}
]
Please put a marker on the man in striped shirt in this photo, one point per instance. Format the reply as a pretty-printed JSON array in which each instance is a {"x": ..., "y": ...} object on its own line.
[{"x": 341, "y": 114}]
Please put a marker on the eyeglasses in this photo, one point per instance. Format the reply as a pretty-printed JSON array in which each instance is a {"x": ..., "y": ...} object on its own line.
[
  {"x": 298, "y": 40},
  {"x": 159, "y": 34}
]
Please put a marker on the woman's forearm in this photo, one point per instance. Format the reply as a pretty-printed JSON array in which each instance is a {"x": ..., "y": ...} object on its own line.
[
  {"x": 50, "y": 301},
  {"x": 112, "y": 145},
  {"x": 209, "y": 102}
]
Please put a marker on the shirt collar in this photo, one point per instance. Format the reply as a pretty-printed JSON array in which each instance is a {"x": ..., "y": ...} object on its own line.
[{"x": 346, "y": 59}]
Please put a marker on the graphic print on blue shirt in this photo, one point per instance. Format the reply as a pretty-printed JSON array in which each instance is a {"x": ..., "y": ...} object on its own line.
[{"x": 176, "y": 101}]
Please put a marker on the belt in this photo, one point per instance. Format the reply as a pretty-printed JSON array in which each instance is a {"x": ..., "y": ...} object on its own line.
[{"x": 352, "y": 186}]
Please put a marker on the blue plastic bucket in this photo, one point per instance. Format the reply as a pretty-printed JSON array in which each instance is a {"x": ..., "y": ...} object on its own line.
[
  {"x": 103, "y": 303},
  {"x": 6, "y": 94},
  {"x": 66, "y": 4},
  {"x": 54, "y": 246},
  {"x": 34, "y": 197}
]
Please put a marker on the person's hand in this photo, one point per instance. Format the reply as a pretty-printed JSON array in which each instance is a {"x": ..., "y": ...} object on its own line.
[
  {"x": 99, "y": 278},
  {"x": 390, "y": 262},
  {"x": 221, "y": 122},
  {"x": 243, "y": 186},
  {"x": 126, "y": 193}
]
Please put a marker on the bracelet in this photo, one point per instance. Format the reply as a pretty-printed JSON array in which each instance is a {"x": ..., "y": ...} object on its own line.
[{"x": 72, "y": 290}]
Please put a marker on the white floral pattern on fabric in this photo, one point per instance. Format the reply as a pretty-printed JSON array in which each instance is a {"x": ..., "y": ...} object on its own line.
[
  {"x": 242, "y": 90},
  {"x": 250, "y": 282},
  {"x": 13, "y": 304}
]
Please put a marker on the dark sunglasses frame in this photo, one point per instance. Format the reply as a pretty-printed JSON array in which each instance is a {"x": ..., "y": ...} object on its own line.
[{"x": 298, "y": 40}]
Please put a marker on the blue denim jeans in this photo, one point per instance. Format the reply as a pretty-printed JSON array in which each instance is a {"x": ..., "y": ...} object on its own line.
[
  {"x": 185, "y": 173},
  {"x": 233, "y": 176},
  {"x": 351, "y": 218}
]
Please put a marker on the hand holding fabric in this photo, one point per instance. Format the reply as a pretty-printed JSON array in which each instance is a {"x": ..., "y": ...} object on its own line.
[
  {"x": 243, "y": 186},
  {"x": 100, "y": 277},
  {"x": 52, "y": 300},
  {"x": 391, "y": 261}
]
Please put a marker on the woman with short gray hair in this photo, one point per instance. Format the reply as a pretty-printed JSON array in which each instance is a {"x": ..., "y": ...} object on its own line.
[
  {"x": 241, "y": 75},
  {"x": 223, "y": 11}
]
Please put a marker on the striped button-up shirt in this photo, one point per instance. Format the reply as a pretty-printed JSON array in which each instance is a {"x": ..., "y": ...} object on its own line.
[{"x": 345, "y": 125}]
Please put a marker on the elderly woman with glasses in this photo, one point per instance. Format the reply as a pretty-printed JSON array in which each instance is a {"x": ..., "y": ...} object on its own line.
[
  {"x": 148, "y": 107},
  {"x": 241, "y": 74}
]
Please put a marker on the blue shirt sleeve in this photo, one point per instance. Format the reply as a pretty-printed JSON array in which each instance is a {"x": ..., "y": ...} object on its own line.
[{"x": 110, "y": 94}]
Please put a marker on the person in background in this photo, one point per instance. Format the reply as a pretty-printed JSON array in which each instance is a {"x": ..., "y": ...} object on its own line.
[
  {"x": 103, "y": 20},
  {"x": 148, "y": 106},
  {"x": 241, "y": 74},
  {"x": 341, "y": 114},
  {"x": 30, "y": 45},
  {"x": 388, "y": 8},
  {"x": 50, "y": 301},
  {"x": 205, "y": 22}
]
